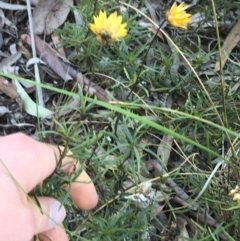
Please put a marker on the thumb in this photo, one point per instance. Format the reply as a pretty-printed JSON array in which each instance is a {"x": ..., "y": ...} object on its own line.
[{"x": 49, "y": 215}]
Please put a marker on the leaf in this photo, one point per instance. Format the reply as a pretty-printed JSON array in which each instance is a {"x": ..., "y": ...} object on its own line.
[
  {"x": 8, "y": 88},
  {"x": 48, "y": 15},
  {"x": 30, "y": 106},
  {"x": 49, "y": 56},
  {"x": 164, "y": 148},
  {"x": 12, "y": 59},
  {"x": 231, "y": 41},
  {"x": 4, "y": 110}
]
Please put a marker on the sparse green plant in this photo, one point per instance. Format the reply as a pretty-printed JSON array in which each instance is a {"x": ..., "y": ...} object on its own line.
[{"x": 120, "y": 142}]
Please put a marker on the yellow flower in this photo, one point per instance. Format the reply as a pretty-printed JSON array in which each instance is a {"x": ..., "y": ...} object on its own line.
[
  {"x": 177, "y": 17},
  {"x": 108, "y": 29}
]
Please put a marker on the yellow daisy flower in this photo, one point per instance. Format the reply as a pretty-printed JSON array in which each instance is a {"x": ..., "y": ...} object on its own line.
[
  {"x": 177, "y": 17},
  {"x": 108, "y": 29}
]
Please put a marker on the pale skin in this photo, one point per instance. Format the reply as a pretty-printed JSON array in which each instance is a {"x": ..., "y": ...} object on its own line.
[{"x": 30, "y": 162}]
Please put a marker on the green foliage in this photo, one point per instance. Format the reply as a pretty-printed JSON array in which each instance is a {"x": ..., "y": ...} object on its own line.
[{"x": 116, "y": 142}]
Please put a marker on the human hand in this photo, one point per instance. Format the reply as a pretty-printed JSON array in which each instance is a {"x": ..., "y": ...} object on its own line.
[{"x": 25, "y": 163}]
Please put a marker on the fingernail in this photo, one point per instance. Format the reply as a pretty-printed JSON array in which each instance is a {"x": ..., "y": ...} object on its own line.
[{"x": 57, "y": 214}]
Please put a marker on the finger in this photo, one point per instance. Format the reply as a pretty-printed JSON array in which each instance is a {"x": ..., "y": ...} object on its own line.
[
  {"x": 27, "y": 218},
  {"x": 49, "y": 215},
  {"x": 54, "y": 234},
  {"x": 83, "y": 192},
  {"x": 28, "y": 161}
]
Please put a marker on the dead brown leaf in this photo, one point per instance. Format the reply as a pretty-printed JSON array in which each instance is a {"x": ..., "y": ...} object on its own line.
[
  {"x": 48, "y": 55},
  {"x": 57, "y": 42},
  {"x": 156, "y": 31},
  {"x": 165, "y": 148},
  {"x": 63, "y": 69},
  {"x": 231, "y": 41},
  {"x": 24, "y": 50},
  {"x": 94, "y": 89},
  {"x": 8, "y": 88},
  {"x": 49, "y": 15}
]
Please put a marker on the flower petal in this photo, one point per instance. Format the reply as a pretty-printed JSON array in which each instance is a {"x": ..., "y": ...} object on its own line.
[
  {"x": 108, "y": 29},
  {"x": 177, "y": 17}
]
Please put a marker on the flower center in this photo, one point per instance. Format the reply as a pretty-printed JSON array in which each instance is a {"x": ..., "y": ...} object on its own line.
[{"x": 106, "y": 38}]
